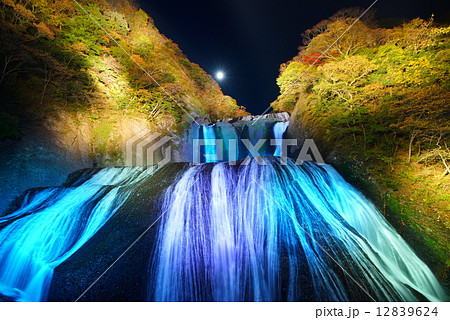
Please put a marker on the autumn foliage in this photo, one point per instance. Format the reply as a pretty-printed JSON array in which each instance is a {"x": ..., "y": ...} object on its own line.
[
  {"x": 314, "y": 58},
  {"x": 379, "y": 98},
  {"x": 372, "y": 83},
  {"x": 54, "y": 56}
]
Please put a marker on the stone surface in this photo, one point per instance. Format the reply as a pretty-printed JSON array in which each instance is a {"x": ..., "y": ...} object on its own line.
[
  {"x": 126, "y": 280},
  {"x": 46, "y": 154}
]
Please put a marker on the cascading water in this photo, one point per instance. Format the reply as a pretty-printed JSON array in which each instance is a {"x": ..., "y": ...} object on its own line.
[
  {"x": 210, "y": 148},
  {"x": 245, "y": 232},
  {"x": 54, "y": 223},
  {"x": 279, "y": 232},
  {"x": 278, "y": 130},
  {"x": 230, "y": 138}
]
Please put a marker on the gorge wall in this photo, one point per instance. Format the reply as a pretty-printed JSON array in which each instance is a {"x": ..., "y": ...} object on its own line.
[{"x": 71, "y": 97}]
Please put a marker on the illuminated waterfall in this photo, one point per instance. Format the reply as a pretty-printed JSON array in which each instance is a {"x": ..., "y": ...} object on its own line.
[
  {"x": 54, "y": 223},
  {"x": 244, "y": 232},
  {"x": 278, "y": 130},
  {"x": 279, "y": 232},
  {"x": 230, "y": 139},
  {"x": 210, "y": 148}
]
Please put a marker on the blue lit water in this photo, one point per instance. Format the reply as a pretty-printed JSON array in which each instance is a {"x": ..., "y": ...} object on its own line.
[
  {"x": 210, "y": 148},
  {"x": 278, "y": 129},
  {"x": 54, "y": 223},
  {"x": 225, "y": 142},
  {"x": 244, "y": 232},
  {"x": 280, "y": 232}
]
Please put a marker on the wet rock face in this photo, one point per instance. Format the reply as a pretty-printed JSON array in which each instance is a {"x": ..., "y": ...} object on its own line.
[
  {"x": 231, "y": 132},
  {"x": 47, "y": 153},
  {"x": 127, "y": 278},
  {"x": 4, "y": 298},
  {"x": 37, "y": 160},
  {"x": 281, "y": 116}
]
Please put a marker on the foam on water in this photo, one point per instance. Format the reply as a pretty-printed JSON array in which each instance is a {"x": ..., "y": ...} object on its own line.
[
  {"x": 274, "y": 232},
  {"x": 54, "y": 223}
]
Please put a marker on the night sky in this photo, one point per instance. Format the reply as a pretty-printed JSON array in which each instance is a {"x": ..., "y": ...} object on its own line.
[{"x": 249, "y": 39}]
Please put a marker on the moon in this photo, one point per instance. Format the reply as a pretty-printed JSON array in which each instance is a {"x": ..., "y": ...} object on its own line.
[{"x": 220, "y": 75}]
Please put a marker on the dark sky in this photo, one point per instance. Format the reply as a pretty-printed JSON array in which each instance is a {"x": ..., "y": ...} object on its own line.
[{"x": 249, "y": 39}]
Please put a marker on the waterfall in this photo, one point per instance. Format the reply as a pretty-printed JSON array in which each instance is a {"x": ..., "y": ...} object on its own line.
[
  {"x": 227, "y": 136},
  {"x": 54, "y": 223},
  {"x": 210, "y": 144},
  {"x": 279, "y": 232},
  {"x": 278, "y": 130},
  {"x": 226, "y": 231}
]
